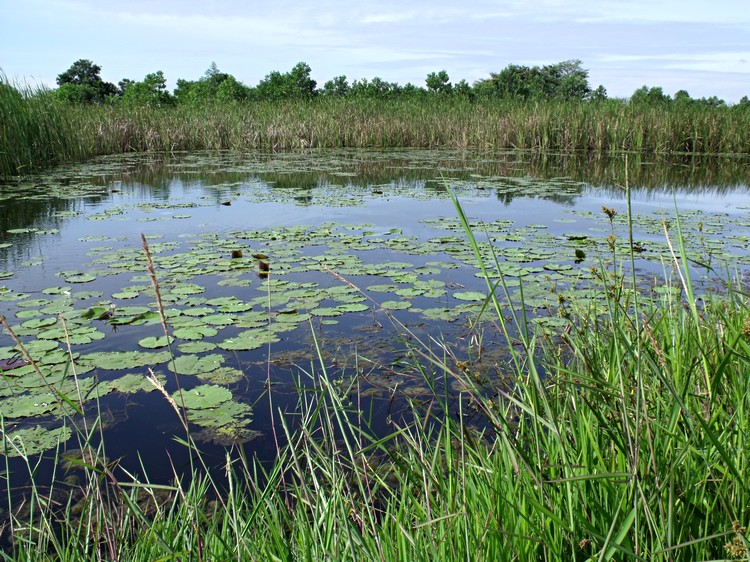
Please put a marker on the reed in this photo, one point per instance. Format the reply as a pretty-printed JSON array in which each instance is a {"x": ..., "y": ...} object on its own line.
[
  {"x": 40, "y": 131},
  {"x": 625, "y": 438}
]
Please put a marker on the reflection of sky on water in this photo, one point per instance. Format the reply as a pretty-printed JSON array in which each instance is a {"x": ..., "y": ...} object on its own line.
[{"x": 127, "y": 207}]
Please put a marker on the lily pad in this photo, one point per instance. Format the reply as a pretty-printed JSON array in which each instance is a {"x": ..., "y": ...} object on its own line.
[
  {"x": 153, "y": 342},
  {"x": 79, "y": 278},
  {"x": 469, "y": 296},
  {"x": 202, "y": 397},
  {"x": 195, "y": 365},
  {"x": 34, "y": 440}
]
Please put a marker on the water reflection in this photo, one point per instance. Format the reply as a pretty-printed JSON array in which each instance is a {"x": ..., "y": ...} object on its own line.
[{"x": 365, "y": 213}]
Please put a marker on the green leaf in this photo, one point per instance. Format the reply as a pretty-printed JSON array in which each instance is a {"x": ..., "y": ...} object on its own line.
[{"x": 202, "y": 397}]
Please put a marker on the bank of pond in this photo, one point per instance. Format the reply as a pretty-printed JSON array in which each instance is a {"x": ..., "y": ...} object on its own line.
[{"x": 375, "y": 354}]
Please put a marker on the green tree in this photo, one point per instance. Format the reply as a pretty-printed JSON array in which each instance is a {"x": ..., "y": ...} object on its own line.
[
  {"x": 303, "y": 85},
  {"x": 682, "y": 97},
  {"x": 213, "y": 86},
  {"x": 337, "y": 86},
  {"x": 82, "y": 83},
  {"x": 295, "y": 84},
  {"x": 565, "y": 80},
  {"x": 713, "y": 101},
  {"x": 438, "y": 82},
  {"x": 123, "y": 84},
  {"x": 463, "y": 89},
  {"x": 600, "y": 94},
  {"x": 230, "y": 89},
  {"x": 151, "y": 92},
  {"x": 375, "y": 88},
  {"x": 649, "y": 96}
]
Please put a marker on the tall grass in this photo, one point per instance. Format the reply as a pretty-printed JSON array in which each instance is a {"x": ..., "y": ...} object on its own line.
[
  {"x": 39, "y": 131},
  {"x": 625, "y": 438}
]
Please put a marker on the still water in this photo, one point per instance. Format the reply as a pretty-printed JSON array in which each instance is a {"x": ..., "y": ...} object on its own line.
[{"x": 272, "y": 267}]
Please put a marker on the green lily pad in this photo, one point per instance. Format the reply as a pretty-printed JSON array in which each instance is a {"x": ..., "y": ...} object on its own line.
[
  {"x": 326, "y": 311},
  {"x": 353, "y": 307},
  {"x": 228, "y": 415},
  {"x": 115, "y": 360},
  {"x": 194, "y": 332},
  {"x": 195, "y": 365},
  {"x": 79, "y": 278},
  {"x": 469, "y": 296},
  {"x": 30, "y": 405},
  {"x": 196, "y": 347},
  {"x": 153, "y": 342},
  {"x": 248, "y": 340},
  {"x": 396, "y": 305},
  {"x": 34, "y": 440},
  {"x": 130, "y": 384},
  {"x": 202, "y": 397}
]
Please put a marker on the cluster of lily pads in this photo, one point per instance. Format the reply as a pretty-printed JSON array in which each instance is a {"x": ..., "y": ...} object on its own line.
[{"x": 227, "y": 295}]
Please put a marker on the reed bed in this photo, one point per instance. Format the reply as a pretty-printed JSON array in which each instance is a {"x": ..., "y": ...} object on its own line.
[
  {"x": 40, "y": 131},
  {"x": 625, "y": 438}
]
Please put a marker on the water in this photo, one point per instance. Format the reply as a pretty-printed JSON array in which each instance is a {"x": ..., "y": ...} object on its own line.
[{"x": 365, "y": 253}]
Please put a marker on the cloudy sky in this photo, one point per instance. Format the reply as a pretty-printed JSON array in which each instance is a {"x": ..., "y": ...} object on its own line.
[{"x": 702, "y": 46}]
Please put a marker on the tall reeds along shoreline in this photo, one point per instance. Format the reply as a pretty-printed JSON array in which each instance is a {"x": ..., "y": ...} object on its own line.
[
  {"x": 625, "y": 438},
  {"x": 39, "y": 131}
]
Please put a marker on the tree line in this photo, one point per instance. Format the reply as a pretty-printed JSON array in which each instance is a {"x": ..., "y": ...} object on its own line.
[{"x": 568, "y": 80}]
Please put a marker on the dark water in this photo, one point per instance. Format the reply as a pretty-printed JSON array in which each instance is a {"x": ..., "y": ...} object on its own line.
[{"x": 70, "y": 242}]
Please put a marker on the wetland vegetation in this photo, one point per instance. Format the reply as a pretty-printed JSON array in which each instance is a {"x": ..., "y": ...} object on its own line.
[
  {"x": 551, "y": 108},
  {"x": 382, "y": 353}
]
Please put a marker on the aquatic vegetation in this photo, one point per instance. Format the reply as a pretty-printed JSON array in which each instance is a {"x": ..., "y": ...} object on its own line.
[
  {"x": 329, "y": 273},
  {"x": 47, "y": 132},
  {"x": 523, "y": 385}
]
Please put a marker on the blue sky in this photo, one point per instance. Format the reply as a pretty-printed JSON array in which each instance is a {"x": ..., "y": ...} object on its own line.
[{"x": 702, "y": 46}]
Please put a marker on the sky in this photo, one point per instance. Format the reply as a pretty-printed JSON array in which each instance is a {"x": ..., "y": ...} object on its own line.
[{"x": 702, "y": 46}]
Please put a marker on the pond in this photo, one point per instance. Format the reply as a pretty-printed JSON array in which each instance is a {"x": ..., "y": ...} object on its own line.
[{"x": 272, "y": 267}]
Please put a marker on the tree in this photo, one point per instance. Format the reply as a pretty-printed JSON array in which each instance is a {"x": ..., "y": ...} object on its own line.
[
  {"x": 338, "y": 86},
  {"x": 151, "y": 92},
  {"x": 82, "y": 83},
  {"x": 295, "y": 84},
  {"x": 213, "y": 86},
  {"x": 302, "y": 85},
  {"x": 649, "y": 96},
  {"x": 231, "y": 89},
  {"x": 713, "y": 101},
  {"x": 375, "y": 88},
  {"x": 569, "y": 80},
  {"x": 600, "y": 94},
  {"x": 438, "y": 82},
  {"x": 463, "y": 89},
  {"x": 123, "y": 84},
  {"x": 564, "y": 80},
  {"x": 682, "y": 97}
]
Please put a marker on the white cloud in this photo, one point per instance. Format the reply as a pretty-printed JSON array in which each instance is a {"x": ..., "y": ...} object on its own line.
[{"x": 391, "y": 17}]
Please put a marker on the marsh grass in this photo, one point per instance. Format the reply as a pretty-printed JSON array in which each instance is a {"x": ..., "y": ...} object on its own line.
[
  {"x": 625, "y": 438},
  {"x": 40, "y": 131}
]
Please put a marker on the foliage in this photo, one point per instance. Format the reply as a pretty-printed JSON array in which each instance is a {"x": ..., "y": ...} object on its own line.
[
  {"x": 438, "y": 82},
  {"x": 295, "y": 84},
  {"x": 566, "y": 80},
  {"x": 151, "y": 92},
  {"x": 82, "y": 83},
  {"x": 623, "y": 438},
  {"x": 376, "y": 88},
  {"x": 338, "y": 86},
  {"x": 45, "y": 132},
  {"x": 649, "y": 96},
  {"x": 214, "y": 86}
]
